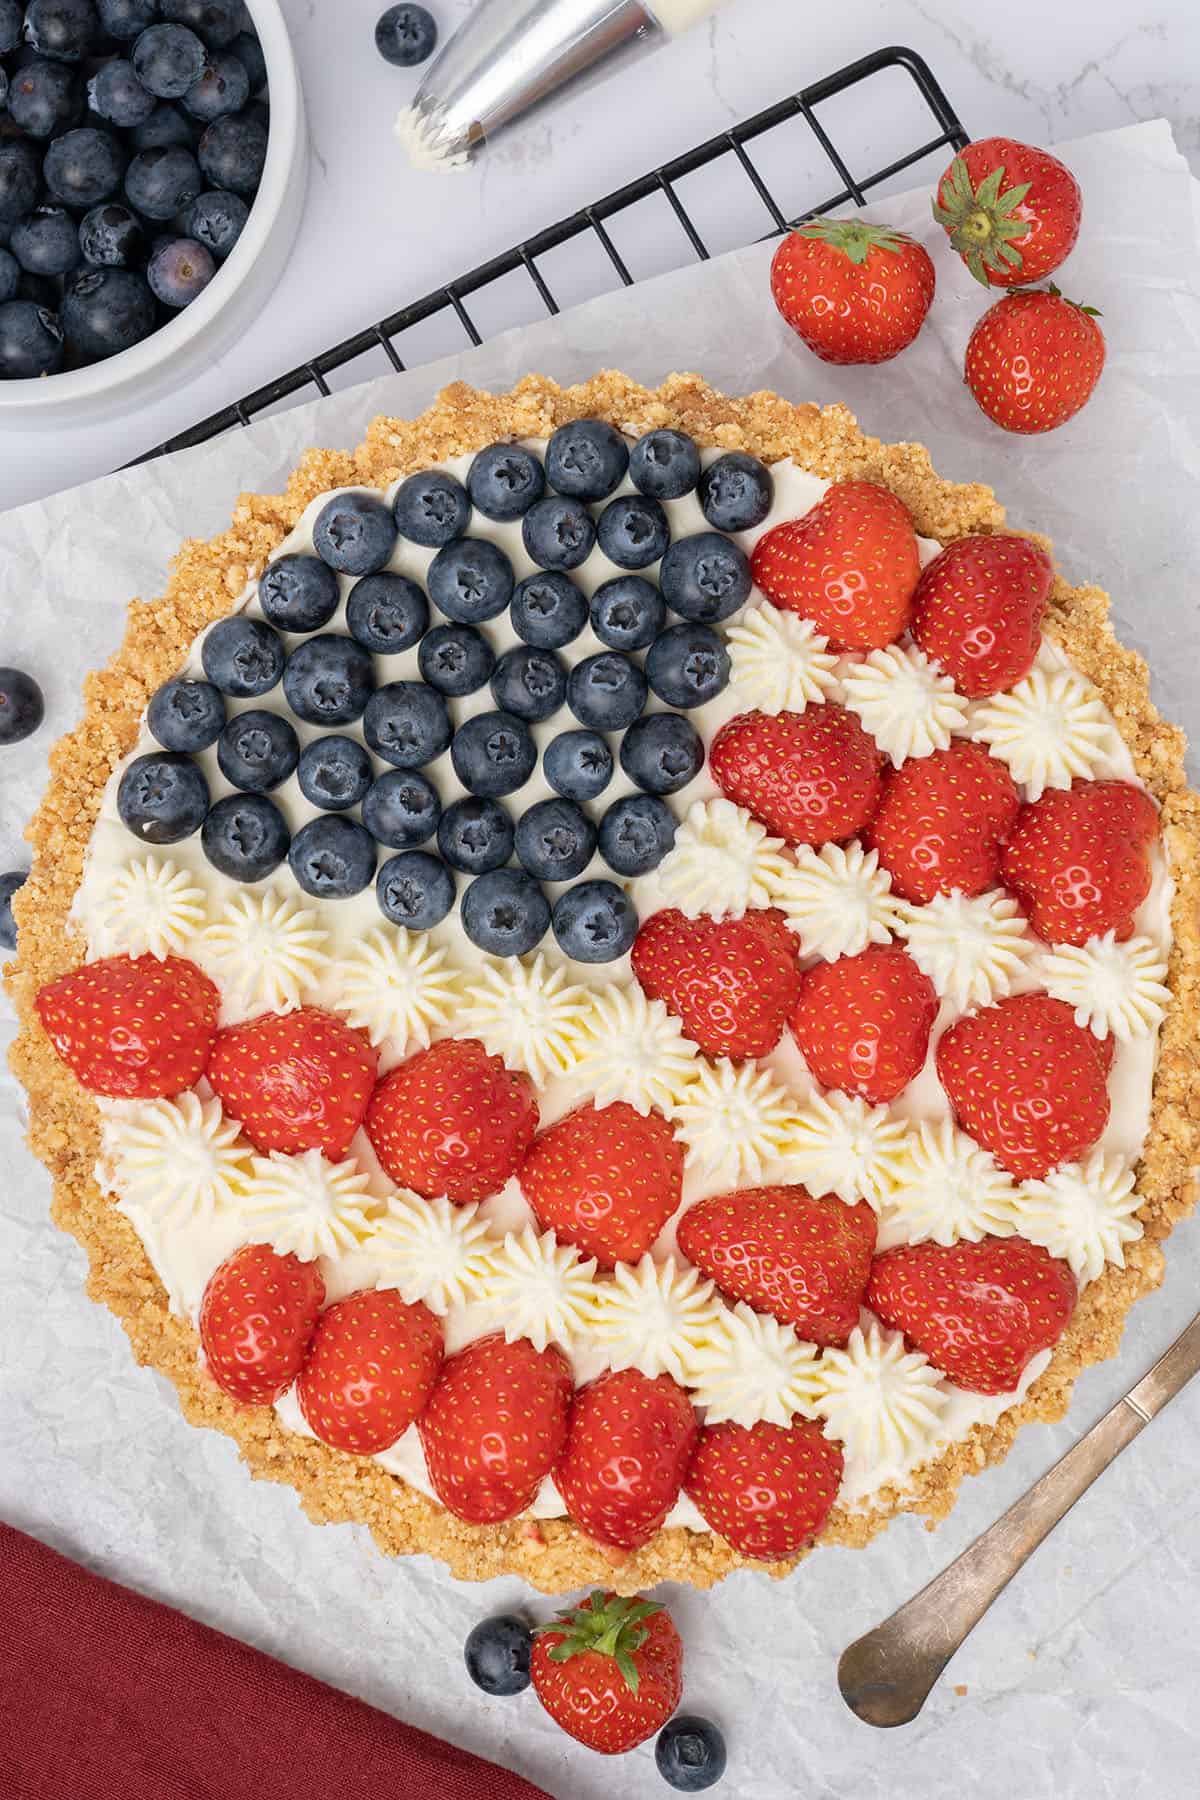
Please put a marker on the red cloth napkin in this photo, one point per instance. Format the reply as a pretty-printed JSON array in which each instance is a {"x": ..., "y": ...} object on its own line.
[{"x": 105, "y": 1695}]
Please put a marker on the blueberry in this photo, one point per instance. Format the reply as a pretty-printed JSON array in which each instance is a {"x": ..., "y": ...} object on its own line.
[
  {"x": 61, "y": 28},
  {"x": 168, "y": 60},
  {"x": 354, "y": 533},
  {"x": 332, "y": 857},
  {"x": 559, "y": 533},
  {"x": 10, "y": 275},
  {"x": 12, "y": 17},
  {"x": 636, "y": 833},
  {"x": 595, "y": 922},
  {"x": 386, "y": 613},
  {"x": 46, "y": 242},
  {"x": 705, "y": 578},
  {"x": 159, "y": 183},
  {"x": 9, "y": 883},
  {"x": 84, "y": 166},
  {"x": 555, "y": 840},
  {"x": 578, "y": 765},
  {"x": 223, "y": 88},
  {"x": 243, "y": 657},
  {"x": 505, "y": 913},
  {"x": 249, "y": 53},
  {"x": 662, "y": 753},
  {"x": 20, "y": 181},
  {"x": 736, "y": 492},
  {"x": 407, "y": 723},
  {"x": 166, "y": 125},
  {"x": 586, "y": 459},
  {"x": 627, "y": 613},
  {"x": 125, "y": 19},
  {"x": 665, "y": 465},
  {"x": 531, "y": 683},
  {"x": 334, "y": 772},
  {"x": 216, "y": 21},
  {"x": 329, "y": 679},
  {"x": 688, "y": 665},
  {"x": 31, "y": 341},
  {"x": 22, "y": 707},
  {"x": 633, "y": 532},
  {"x": 405, "y": 35},
  {"x": 44, "y": 291},
  {"x": 233, "y": 152},
  {"x": 186, "y": 715},
  {"x": 493, "y": 754},
  {"x": 179, "y": 272},
  {"x": 431, "y": 508},
  {"x": 105, "y": 311},
  {"x": 497, "y": 1655},
  {"x": 606, "y": 692},
  {"x": 216, "y": 221},
  {"x": 548, "y": 610},
  {"x": 475, "y": 836},
  {"x": 245, "y": 837},
  {"x": 257, "y": 751},
  {"x": 110, "y": 236},
  {"x": 116, "y": 94},
  {"x": 690, "y": 1754},
  {"x": 504, "y": 481},
  {"x": 162, "y": 797},
  {"x": 455, "y": 659},
  {"x": 401, "y": 809},
  {"x": 470, "y": 580},
  {"x": 45, "y": 98},
  {"x": 414, "y": 890},
  {"x": 298, "y": 593}
]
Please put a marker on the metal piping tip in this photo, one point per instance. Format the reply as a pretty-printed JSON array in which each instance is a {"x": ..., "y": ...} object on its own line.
[{"x": 430, "y": 142}]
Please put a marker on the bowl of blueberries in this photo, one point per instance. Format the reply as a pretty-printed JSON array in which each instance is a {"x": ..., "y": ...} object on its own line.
[{"x": 152, "y": 170}]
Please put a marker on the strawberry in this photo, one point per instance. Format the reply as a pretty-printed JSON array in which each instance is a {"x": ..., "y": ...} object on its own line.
[
  {"x": 978, "y": 611},
  {"x": 629, "y": 1442},
  {"x": 803, "y": 1260},
  {"x": 296, "y": 1081},
  {"x": 767, "y": 1489},
  {"x": 1026, "y": 1082},
  {"x": 942, "y": 820},
  {"x": 495, "y": 1427},
  {"x": 610, "y": 1671},
  {"x": 370, "y": 1370},
  {"x": 732, "y": 982},
  {"x": 452, "y": 1120},
  {"x": 979, "y": 1312},
  {"x": 1034, "y": 359},
  {"x": 132, "y": 1027},
  {"x": 850, "y": 565},
  {"x": 605, "y": 1179},
  {"x": 852, "y": 292},
  {"x": 810, "y": 777},
  {"x": 863, "y": 1022},
  {"x": 1078, "y": 859},
  {"x": 1010, "y": 210},
  {"x": 256, "y": 1319}
]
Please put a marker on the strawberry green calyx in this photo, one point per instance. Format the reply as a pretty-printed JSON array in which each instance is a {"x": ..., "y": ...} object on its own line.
[
  {"x": 608, "y": 1624},
  {"x": 1056, "y": 293},
  {"x": 979, "y": 220},
  {"x": 854, "y": 237}
]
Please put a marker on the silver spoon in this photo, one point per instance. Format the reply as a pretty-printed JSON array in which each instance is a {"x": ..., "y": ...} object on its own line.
[{"x": 887, "y": 1676}]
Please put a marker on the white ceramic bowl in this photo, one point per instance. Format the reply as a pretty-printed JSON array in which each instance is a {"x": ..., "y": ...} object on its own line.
[{"x": 234, "y": 295}]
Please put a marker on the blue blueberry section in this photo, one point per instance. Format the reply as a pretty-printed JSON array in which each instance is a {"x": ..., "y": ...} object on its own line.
[
  {"x": 736, "y": 492},
  {"x": 455, "y": 659},
  {"x": 45, "y": 98},
  {"x": 548, "y": 610},
  {"x": 186, "y": 715},
  {"x": 664, "y": 465},
  {"x": 662, "y": 753},
  {"x": 31, "y": 341},
  {"x": 105, "y": 311},
  {"x": 161, "y": 182},
  {"x": 407, "y": 723},
  {"x": 127, "y": 19},
  {"x": 110, "y": 236},
  {"x": 84, "y": 166},
  {"x": 12, "y": 18},
  {"x": 223, "y": 88},
  {"x": 166, "y": 125},
  {"x": 475, "y": 836},
  {"x": 10, "y": 275},
  {"x": 505, "y": 913},
  {"x": 243, "y": 657},
  {"x": 233, "y": 152},
  {"x": 329, "y": 679},
  {"x": 402, "y": 809},
  {"x": 530, "y": 683},
  {"x": 607, "y": 691},
  {"x": 245, "y": 837},
  {"x": 705, "y": 578},
  {"x": 586, "y": 459},
  {"x": 334, "y": 772},
  {"x": 216, "y": 220},
  {"x": 179, "y": 272},
  {"x": 216, "y": 21},
  {"x": 688, "y": 666},
  {"x": 636, "y": 833},
  {"x": 504, "y": 481},
  {"x": 354, "y": 533},
  {"x": 633, "y": 531},
  {"x": 595, "y": 922},
  {"x": 414, "y": 890},
  {"x": 690, "y": 1754},
  {"x": 22, "y": 706},
  {"x": 470, "y": 580},
  {"x": 298, "y": 593},
  {"x": 431, "y": 508},
  {"x": 406, "y": 35},
  {"x": 555, "y": 840},
  {"x": 257, "y": 751},
  {"x": 386, "y": 613},
  {"x": 332, "y": 857},
  {"x": 62, "y": 28},
  {"x": 493, "y": 754},
  {"x": 578, "y": 764},
  {"x": 116, "y": 94},
  {"x": 168, "y": 60},
  {"x": 162, "y": 797},
  {"x": 627, "y": 613},
  {"x": 559, "y": 532},
  {"x": 46, "y": 242},
  {"x": 497, "y": 1655},
  {"x": 9, "y": 883}
]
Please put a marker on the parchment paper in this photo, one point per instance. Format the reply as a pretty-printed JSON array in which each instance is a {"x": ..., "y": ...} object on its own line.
[{"x": 1081, "y": 1681}]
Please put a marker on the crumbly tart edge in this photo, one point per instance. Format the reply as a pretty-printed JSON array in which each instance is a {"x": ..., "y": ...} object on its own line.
[{"x": 207, "y": 581}]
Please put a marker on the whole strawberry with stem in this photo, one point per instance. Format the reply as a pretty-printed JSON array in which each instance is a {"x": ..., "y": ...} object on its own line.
[
  {"x": 1011, "y": 211},
  {"x": 610, "y": 1671},
  {"x": 1034, "y": 359},
  {"x": 732, "y": 983},
  {"x": 852, "y": 292}
]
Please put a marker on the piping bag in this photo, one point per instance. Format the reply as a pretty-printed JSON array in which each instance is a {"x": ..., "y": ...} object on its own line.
[{"x": 512, "y": 55}]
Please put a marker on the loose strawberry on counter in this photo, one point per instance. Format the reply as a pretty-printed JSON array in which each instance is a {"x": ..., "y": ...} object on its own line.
[
  {"x": 370, "y": 1370},
  {"x": 732, "y": 983},
  {"x": 850, "y": 565},
  {"x": 1078, "y": 859},
  {"x": 132, "y": 1027},
  {"x": 605, "y": 1179},
  {"x": 629, "y": 1442},
  {"x": 767, "y": 1489},
  {"x": 811, "y": 778},
  {"x": 1011, "y": 211},
  {"x": 610, "y": 1671},
  {"x": 942, "y": 821},
  {"x": 978, "y": 611},
  {"x": 495, "y": 1426},
  {"x": 452, "y": 1120},
  {"x": 862, "y": 1022},
  {"x": 256, "y": 1319},
  {"x": 979, "y": 1312},
  {"x": 295, "y": 1081},
  {"x": 852, "y": 292},
  {"x": 1034, "y": 359}
]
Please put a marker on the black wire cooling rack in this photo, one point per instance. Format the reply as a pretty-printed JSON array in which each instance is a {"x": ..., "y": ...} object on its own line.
[{"x": 729, "y": 147}]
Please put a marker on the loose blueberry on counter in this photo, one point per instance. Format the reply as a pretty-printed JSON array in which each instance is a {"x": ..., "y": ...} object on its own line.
[
  {"x": 22, "y": 707},
  {"x": 334, "y": 772},
  {"x": 31, "y": 341},
  {"x": 555, "y": 840},
  {"x": 633, "y": 531},
  {"x": 110, "y": 236},
  {"x": 329, "y": 679},
  {"x": 20, "y": 181},
  {"x": 45, "y": 98},
  {"x": 470, "y": 580},
  {"x": 504, "y": 481},
  {"x": 61, "y": 28},
  {"x": 257, "y": 751},
  {"x": 531, "y": 683},
  {"x": 186, "y": 715},
  {"x": 46, "y": 242},
  {"x": 627, "y": 613},
  {"x": 333, "y": 857},
  {"x": 243, "y": 657},
  {"x": 105, "y": 311},
  {"x": 662, "y": 753},
  {"x": 216, "y": 220},
  {"x": 414, "y": 890},
  {"x": 298, "y": 593},
  {"x": 10, "y": 274},
  {"x": 166, "y": 125},
  {"x": 595, "y": 922},
  {"x": 578, "y": 764},
  {"x": 664, "y": 465},
  {"x": 431, "y": 508},
  {"x": 116, "y": 95},
  {"x": 386, "y": 613},
  {"x": 216, "y": 21},
  {"x": 493, "y": 754},
  {"x": 9, "y": 883},
  {"x": 690, "y": 1754},
  {"x": 705, "y": 578},
  {"x": 505, "y": 913},
  {"x": 401, "y": 809},
  {"x": 548, "y": 610},
  {"x": 497, "y": 1655},
  {"x": 559, "y": 532},
  {"x": 607, "y": 691},
  {"x": 168, "y": 60},
  {"x": 245, "y": 837},
  {"x": 736, "y": 492},
  {"x": 407, "y": 723},
  {"x": 475, "y": 836},
  {"x": 162, "y": 797},
  {"x": 159, "y": 183},
  {"x": 12, "y": 17},
  {"x": 586, "y": 459},
  {"x": 223, "y": 88},
  {"x": 405, "y": 35},
  {"x": 455, "y": 659},
  {"x": 354, "y": 533},
  {"x": 84, "y": 166},
  {"x": 249, "y": 53},
  {"x": 636, "y": 833},
  {"x": 233, "y": 151},
  {"x": 127, "y": 19},
  {"x": 688, "y": 666},
  {"x": 179, "y": 272}
]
